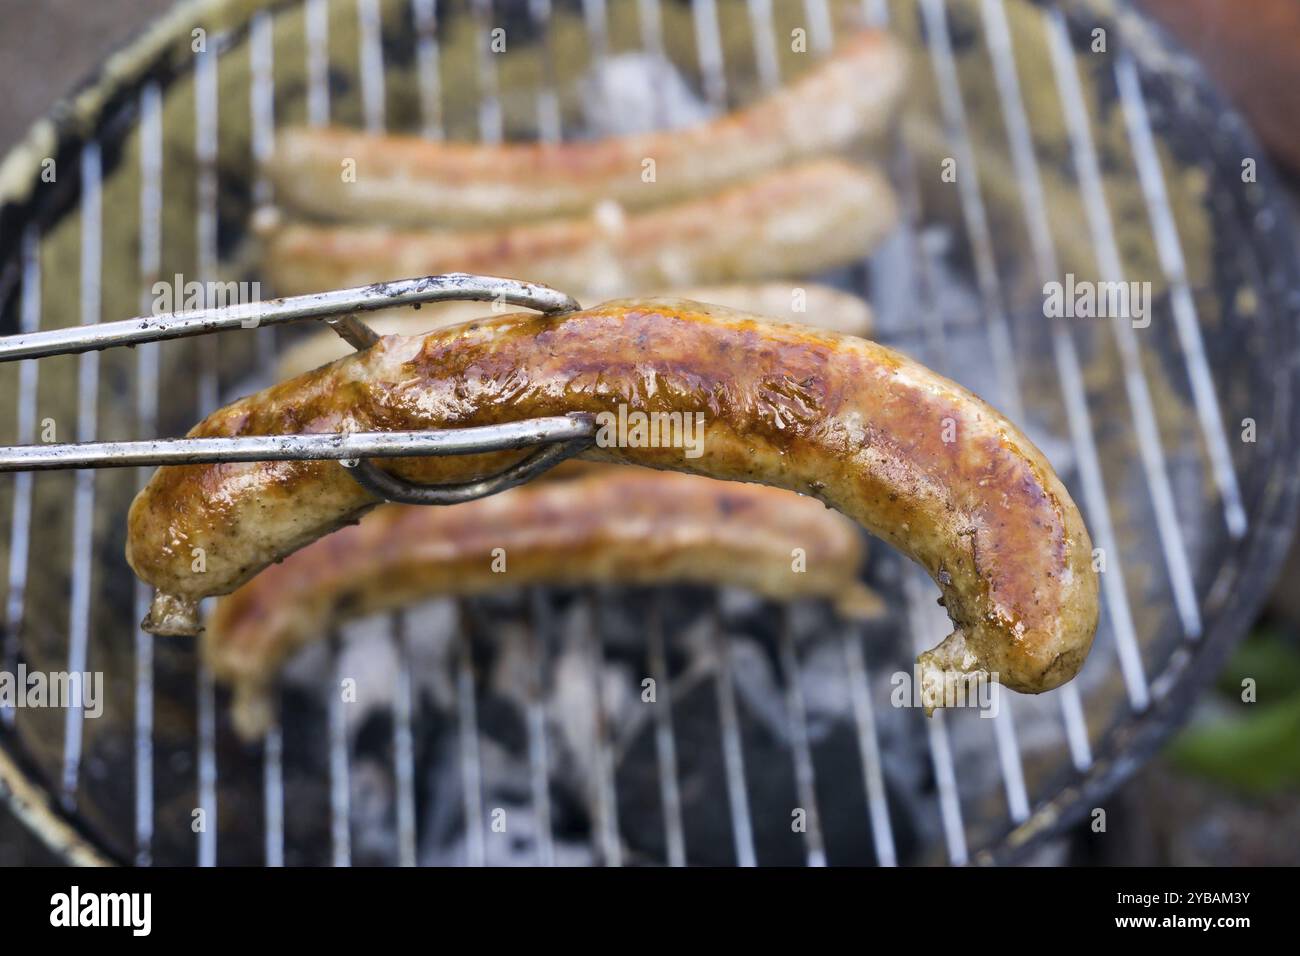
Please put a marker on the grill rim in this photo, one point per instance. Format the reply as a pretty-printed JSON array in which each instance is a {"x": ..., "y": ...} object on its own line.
[
  {"x": 1273, "y": 529},
  {"x": 106, "y": 97}
]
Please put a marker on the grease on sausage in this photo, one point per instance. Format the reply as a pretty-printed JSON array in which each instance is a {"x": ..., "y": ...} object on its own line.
[{"x": 913, "y": 457}]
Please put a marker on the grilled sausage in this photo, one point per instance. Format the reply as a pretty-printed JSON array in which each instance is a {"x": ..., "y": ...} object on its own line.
[
  {"x": 799, "y": 221},
  {"x": 828, "y": 307},
  {"x": 407, "y": 180},
  {"x": 622, "y": 526},
  {"x": 913, "y": 457}
]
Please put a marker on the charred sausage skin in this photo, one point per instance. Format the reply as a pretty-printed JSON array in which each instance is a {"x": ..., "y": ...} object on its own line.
[{"x": 913, "y": 457}]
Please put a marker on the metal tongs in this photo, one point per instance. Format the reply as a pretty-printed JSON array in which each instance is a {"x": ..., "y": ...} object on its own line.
[{"x": 555, "y": 437}]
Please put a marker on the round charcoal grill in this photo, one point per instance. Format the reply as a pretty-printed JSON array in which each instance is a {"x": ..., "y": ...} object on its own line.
[{"x": 1037, "y": 142}]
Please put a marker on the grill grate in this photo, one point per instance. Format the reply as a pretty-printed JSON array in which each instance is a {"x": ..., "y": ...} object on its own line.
[{"x": 1178, "y": 540}]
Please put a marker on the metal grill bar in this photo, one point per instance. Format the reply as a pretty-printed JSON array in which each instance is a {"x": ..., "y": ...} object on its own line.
[
  {"x": 83, "y": 516},
  {"x": 876, "y": 12},
  {"x": 765, "y": 55},
  {"x": 761, "y": 16},
  {"x": 1170, "y": 250},
  {"x": 606, "y": 840},
  {"x": 925, "y": 620},
  {"x": 143, "y": 735},
  {"x": 820, "y": 30},
  {"x": 1000, "y": 346},
  {"x": 261, "y": 99},
  {"x": 650, "y": 18},
  {"x": 548, "y": 103},
  {"x": 765, "y": 60},
  {"x": 1076, "y": 727},
  {"x": 972, "y": 206},
  {"x": 205, "y": 156},
  {"x": 596, "y": 16},
  {"x": 1013, "y": 774},
  {"x": 426, "y": 19},
  {"x": 371, "y": 39},
  {"x": 207, "y": 767},
  {"x": 873, "y": 776},
  {"x": 371, "y": 57},
  {"x": 1006, "y": 743},
  {"x": 369, "y": 53},
  {"x": 924, "y": 623},
  {"x": 340, "y": 768},
  {"x": 317, "y": 16},
  {"x": 1097, "y": 211},
  {"x": 733, "y": 755},
  {"x": 273, "y": 786},
  {"x": 403, "y": 740},
  {"x": 1043, "y": 247},
  {"x": 709, "y": 47},
  {"x": 709, "y": 43},
  {"x": 148, "y": 378},
  {"x": 797, "y": 716},
  {"x": 470, "y": 764},
  {"x": 427, "y": 66},
  {"x": 538, "y": 760},
  {"x": 261, "y": 121},
  {"x": 21, "y": 525},
  {"x": 261, "y": 105},
  {"x": 670, "y": 795},
  {"x": 490, "y": 123},
  {"x": 607, "y": 843},
  {"x": 428, "y": 57},
  {"x": 950, "y": 805}
]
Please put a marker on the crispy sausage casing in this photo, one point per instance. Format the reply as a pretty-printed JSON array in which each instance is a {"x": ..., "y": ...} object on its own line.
[
  {"x": 797, "y": 221},
  {"x": 913, "y": 457},
  {"x": 620, "y": 526},
  {"x": 409, "y": 180}
]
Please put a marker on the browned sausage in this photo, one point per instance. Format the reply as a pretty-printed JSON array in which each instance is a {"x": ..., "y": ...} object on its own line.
[
  {"x": 911, "y": 456},
  {"x": 623, "y": 525},
  {"x": 797, "y": 221},
  {"x": 411, "y": 181}
]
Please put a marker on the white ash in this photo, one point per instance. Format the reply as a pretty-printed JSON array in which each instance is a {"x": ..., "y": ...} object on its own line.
[{"x": 637, "y": 93}]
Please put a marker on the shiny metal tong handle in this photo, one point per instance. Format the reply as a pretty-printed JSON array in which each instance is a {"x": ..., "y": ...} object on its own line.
[{"x": 559, "y": 436}]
